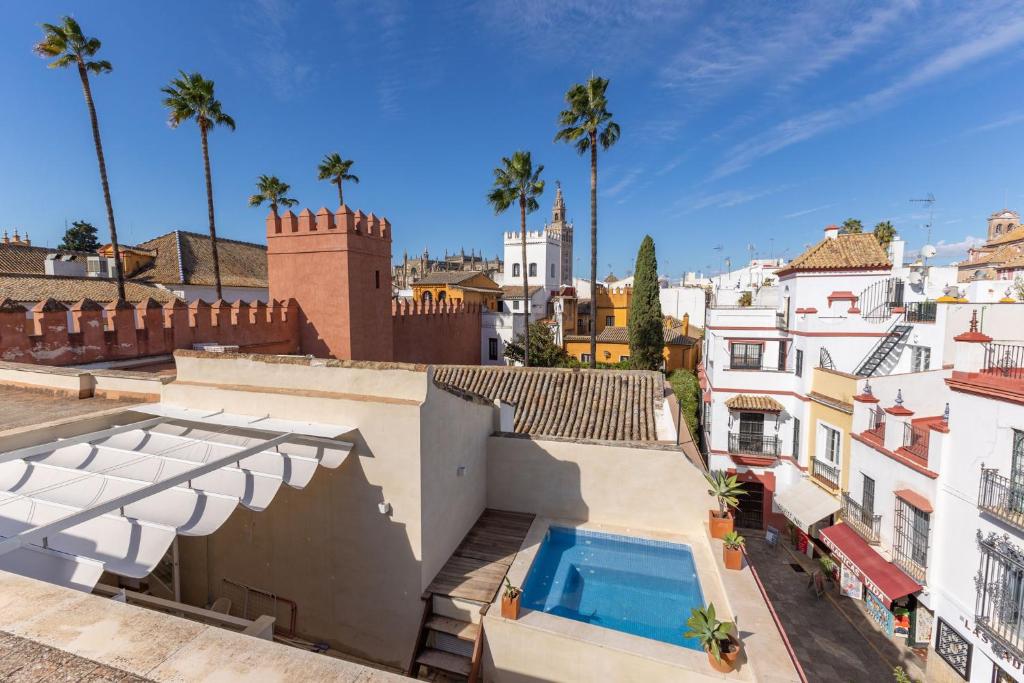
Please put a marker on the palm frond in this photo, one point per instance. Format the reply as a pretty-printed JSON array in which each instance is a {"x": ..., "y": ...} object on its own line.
[
  {"x": 516, "y": 180},
  {"x": 190, "y": 96}
]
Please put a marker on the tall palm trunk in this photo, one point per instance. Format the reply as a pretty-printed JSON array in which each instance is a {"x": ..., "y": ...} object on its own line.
[
  {"x": 341, "y": 197},
  {"x": 84, "y": 75},
  {"x": 209, "y": 210},
  {"x": 526, "y": 283},
  {"x": 593, "y": 249}
]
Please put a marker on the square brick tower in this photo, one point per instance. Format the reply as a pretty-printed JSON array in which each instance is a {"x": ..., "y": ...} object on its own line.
[{"x": 337, "y": 267}]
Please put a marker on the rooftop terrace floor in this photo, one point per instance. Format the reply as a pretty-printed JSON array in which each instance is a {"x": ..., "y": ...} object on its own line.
[{"x": 24, "y": 407}]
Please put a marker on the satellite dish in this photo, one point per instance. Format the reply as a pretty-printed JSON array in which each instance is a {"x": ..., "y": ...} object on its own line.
[
  {"x": 914, "y": 278},
  {"x": 928, "y": 251}
]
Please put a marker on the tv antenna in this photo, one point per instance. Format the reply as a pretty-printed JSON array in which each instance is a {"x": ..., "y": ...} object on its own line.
[
  {"x": 930, "y": 201},
  {"x": 721, "y": 263}
]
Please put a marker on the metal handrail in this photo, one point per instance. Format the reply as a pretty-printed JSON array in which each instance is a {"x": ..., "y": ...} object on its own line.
[
  {"x": 866, "y": 524},
  {"x": 754, "y": 444},
  {"x": 825, "y": 472},
  {"x": 915, "y": 439},
  {"x": 1001, "y": 497},
  {"x": 1005, "y": 360}
]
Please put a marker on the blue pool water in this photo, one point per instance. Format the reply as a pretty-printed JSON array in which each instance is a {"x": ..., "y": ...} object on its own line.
[{"x": 632, "y": 585}]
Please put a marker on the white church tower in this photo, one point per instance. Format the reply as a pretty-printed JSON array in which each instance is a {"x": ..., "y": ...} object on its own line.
[{"x": 548, "y": 254}]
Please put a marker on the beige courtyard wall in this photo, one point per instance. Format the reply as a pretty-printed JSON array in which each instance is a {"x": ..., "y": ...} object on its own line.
[
  {"x": 454, "y": 432},
  {"x": 641, "y": 486},
  {"x": 354, "y": 573}
]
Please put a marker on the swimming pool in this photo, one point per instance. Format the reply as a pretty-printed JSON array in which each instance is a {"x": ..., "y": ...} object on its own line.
[{"x": 628, "y": 584}]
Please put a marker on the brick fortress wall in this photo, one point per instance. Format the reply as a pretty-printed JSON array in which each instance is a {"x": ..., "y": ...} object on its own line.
[
  {"x": 436, "y": 332},
  {"x": 88, "y": 332}
]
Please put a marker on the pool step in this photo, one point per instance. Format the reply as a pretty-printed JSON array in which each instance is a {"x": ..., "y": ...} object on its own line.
[{"x": 445, "y": 661}]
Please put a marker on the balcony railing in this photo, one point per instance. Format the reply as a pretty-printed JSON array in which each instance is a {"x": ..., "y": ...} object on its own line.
[
  {"x": 765, "y": 365},
  {"x": 825, "y": 473},
  {"x": 1005, "y": 360},
  {"x": 915, "y": 440},
  {"x": 910, "y": 536},
  {"x": 876, "y": 423},
  {"x": 868, "y": 525},
  {"x": 1000, "y": 497},
  {"x": 999, "y": 602},
  {"x": 921, "y": 311},
  {"x": 754, "y": 444}
]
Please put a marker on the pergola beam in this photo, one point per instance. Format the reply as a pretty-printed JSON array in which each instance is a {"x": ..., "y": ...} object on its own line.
[{"x": 30, "y": 451}]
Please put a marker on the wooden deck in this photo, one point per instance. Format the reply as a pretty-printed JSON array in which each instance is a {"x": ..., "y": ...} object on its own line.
[{"x": 477, "y": 568}]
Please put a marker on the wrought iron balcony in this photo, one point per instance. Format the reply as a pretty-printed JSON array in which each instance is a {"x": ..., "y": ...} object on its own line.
[
  {"x": 915, "y": 440},
  {"x": 1005, "y": 360},
  {"x": 866, "y": 524},
  {"x": 765, "y": 364},
  {"x": 921, "y": 311},
  {"x": 754, "y": 444},
  {"x": 1000, "y": 497},
  {"x": 999, "y": 602},
  {"x": 876, "y": 423},
  {"x": 825, "y": 473}
]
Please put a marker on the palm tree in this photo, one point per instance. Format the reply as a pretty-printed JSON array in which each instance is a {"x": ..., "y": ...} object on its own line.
[
  {"x": 588, "y": 122},
  {"x": 885, "y": 233},
  {"x": 336, "y": 169},
  {"x": 516, "y": 181},
  {"x": 852, "y": 226},
  {"x": 190, "y": 96},
  {"x": 67, "y": 45},
  {"x": 270, "y": 190}
]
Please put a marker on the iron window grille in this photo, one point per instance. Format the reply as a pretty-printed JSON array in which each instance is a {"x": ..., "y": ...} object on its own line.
[
  {"x": 876, "y": 423},
  {"x": 861, "y": 519},
  {"x": 954, "y": 649},
  {"x": 745, "y": 356},
  {"x": 910, "y": 540},
  {"x": 1001, "y": 497},
  {"x": 999, "y": 586},
  {"x": 915, "y": 440},
  {"x": 799, "y": 367}
]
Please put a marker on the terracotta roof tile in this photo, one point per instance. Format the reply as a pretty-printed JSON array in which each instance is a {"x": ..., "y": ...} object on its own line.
[
  {"x": 186, "y": 258},
  {"x": 751, "y": 402},
  {"x": 67, "y": 290},
  {"x": 1015, "y": 235},
  {"x": 620, "y": 335},
  {"x": 616, "y": 405},
  {"x": 16, "y": 258},
  {"x": 446, "y": 278},
  {"x": 849, "y": 251}
]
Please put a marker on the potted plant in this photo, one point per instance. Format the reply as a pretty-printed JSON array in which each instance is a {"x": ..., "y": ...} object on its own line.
[
  {"x": 716, "y": 637},
  {"x": 732, "y": 552},
  {"x": 510, "y": 600},
  {"x": 828, "y": 567},
  {"x": 726, "y": 489}
]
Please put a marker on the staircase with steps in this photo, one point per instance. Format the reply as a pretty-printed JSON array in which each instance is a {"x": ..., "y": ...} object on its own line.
[
  {"x": 884, "y": 349},
  {"x": 451, "y": 646}
]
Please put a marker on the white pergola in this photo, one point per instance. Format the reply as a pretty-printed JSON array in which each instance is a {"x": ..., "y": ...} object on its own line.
[{"x": 114, "y": 500}]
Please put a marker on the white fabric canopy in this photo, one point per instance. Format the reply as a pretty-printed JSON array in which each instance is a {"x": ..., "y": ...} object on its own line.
[
  {"x": 114, "y": 500},
  {"x": 805, "y": 504}
]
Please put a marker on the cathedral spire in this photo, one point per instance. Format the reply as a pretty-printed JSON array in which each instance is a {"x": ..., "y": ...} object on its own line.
[{"x": 558, "y": 211}]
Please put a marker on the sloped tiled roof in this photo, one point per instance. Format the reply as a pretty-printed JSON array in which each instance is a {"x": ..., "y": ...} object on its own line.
[
  {"x": 17, "y": 258},
  {"x": 843, "y": 252},
  {"x": 186, "y": 258},
  {"x": 620, "y": 335},
  {"x": 752, "y": 402},
  {"x": 1015, "y": 235},
  {"x": 516, "y": 291},
  {"x": 616, "y": 405},
  {"x": 993, "y": 256},
  {"x": 1016, "y": 261},
  {"x": 30, "y": 289},
  {"x": 453, "y": 277}
]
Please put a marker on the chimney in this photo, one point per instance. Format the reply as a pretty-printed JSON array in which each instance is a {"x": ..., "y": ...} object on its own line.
[
  {"x": 7, "y": 239},
  {"x": 831, "y": 231}
]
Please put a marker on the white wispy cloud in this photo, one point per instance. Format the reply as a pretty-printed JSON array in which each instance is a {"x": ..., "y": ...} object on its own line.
[
  {"x": 627, "y": 180},
  {"x": 988, "y": 41},
  {"x": 276, "y": 57},
  {"x": 1002, "y": 122},
  {"x": 804, "y": 212},
  {"x": 945, "y": 249},
  {"x": 725, "y": 199}
]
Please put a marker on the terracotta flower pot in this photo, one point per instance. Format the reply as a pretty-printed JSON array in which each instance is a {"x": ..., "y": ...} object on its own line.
[
  {"x": 733, "y": 557},
  {"x": 720, "y": 526},
  {"x": 728, "y": 662},
  {"x": 510, "y": 606}
]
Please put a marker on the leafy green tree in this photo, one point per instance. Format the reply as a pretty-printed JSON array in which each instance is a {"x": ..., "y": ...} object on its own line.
[
  {"x": 190, "y": 96},
  {"x": 336, "y": 169},
  {"x": 270, "y": 190},
  {"x": 885, "y": 233},
  {"x": 587, "y": 123},
  {"x": 543, "y": 351},
  {"x": 746, "y": 299},
  {"x": 645, "y": 324},
  {"x": 517, "y": 182},
  {"x": 81, "y": 236},
  {"x": 67, "y": 45},
  {"x": 852, "y": 226}
]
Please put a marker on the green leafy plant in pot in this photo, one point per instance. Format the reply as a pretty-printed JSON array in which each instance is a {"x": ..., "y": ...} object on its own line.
[
  {"x": 716, "y": 637},
  {"x": 732, "y": 551},
  {"x": 510, "y": 600},
  {"x": 726, "y": 489}
]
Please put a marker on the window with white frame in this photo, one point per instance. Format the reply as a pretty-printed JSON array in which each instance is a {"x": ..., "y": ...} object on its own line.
[
  {"x": 585, "y": 357},
  {"x": 533, "y": 270},
  {"x": 920, "y": 358},
  {"x": 831, "y": 442},
  {"x": 515, "y": 305}
]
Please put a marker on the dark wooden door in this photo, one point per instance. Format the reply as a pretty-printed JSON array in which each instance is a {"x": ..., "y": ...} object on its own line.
[{"x": 750, "y": 513}]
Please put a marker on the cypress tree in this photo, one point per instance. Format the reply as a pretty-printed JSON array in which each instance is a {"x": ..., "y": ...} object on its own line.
[{"x": 646, "y": 335}]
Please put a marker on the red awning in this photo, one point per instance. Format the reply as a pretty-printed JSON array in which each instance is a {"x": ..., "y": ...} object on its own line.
[{"x": 882, "y": 578}]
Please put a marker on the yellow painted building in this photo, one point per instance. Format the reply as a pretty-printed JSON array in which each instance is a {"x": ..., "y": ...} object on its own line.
[
  {"x": 680, "y": 351},
  {"x": 612, "y": 305},
  {"x": 132, "y": 258},
  {"x": 830, "y": 421},
  {"x": 467, "y": 287}
]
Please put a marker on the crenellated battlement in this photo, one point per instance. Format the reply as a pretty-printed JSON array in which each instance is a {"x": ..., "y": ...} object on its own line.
[
  {"x": 324, "y": 222},
  {"x": 410, "y": 307},
  {"x": 55, "y": 334},
  {"x": 533, "y": 236}
]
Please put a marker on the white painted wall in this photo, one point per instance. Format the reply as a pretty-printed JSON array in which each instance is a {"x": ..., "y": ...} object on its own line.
[{"x": 680, "y": 301}]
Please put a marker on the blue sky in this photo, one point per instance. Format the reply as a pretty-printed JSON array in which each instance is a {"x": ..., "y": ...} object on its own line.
[{"x": 741, "y": 124}]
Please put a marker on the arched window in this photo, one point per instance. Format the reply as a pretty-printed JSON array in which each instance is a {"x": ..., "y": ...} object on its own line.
[
  {"x": 427, "y": 297},
  {"x": 515, "y": 270},
  {"x": 533, "y": 270},
  {"x": 441, "y": 296},
  {"x": 999, "y": 228}
]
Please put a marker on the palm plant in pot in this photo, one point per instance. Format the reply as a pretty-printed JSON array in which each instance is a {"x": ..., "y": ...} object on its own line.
[
  {"x": 716, "y": 637},
  {"x": 726, "y": 490},
  {"x": 732, "y": 551},
  {"x": 510, "y": 600}
]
